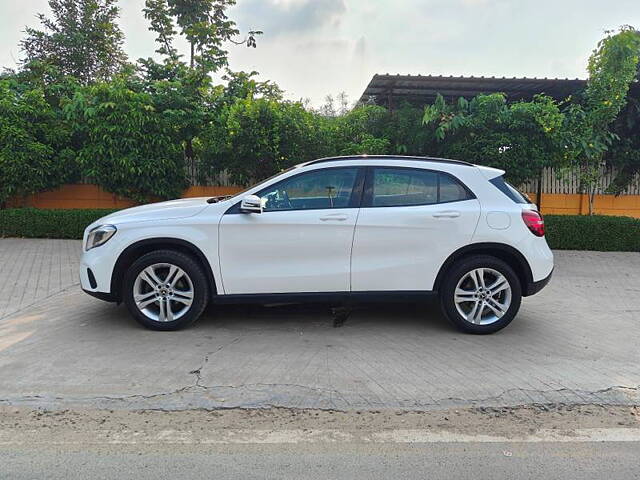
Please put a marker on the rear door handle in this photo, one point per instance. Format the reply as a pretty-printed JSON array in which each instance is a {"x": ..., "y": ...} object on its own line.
[
  {"x": 447, "y": 214},
  {"x": 335, "y": 217}
]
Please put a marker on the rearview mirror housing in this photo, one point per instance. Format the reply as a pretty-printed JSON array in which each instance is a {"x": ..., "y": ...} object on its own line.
[{"x": 251, "y": 204}]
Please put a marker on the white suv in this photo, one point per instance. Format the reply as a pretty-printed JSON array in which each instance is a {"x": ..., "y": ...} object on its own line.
[{"x": 336, "y": 229}]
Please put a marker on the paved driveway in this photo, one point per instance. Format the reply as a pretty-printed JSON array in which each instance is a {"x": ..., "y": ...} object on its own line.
[{"x": 575, "y": 342}]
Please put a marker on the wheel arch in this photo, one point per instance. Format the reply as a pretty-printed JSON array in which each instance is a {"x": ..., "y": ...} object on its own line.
[
  {"x": 504, "y": 252},
  {"x": 142, "y": 247}
]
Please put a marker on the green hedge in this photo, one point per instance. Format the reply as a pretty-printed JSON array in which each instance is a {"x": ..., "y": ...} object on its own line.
[
  {"x": 564, "y": 232},
  {"x": 35, "y": 223},
  {"x": 598, "y": 232}
]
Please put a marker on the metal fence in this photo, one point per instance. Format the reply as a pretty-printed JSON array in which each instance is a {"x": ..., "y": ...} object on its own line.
[{"x": 556, "y": 181}]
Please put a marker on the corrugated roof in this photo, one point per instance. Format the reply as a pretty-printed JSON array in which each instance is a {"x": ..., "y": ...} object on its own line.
[{"x": 422, "y": 89}]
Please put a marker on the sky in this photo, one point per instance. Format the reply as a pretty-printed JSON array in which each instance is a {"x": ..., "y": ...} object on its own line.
[{"x": 312, "y": 48}]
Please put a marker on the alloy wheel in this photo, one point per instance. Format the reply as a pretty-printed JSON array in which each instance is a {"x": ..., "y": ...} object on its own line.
[
  {"x": 482, "y": 296},
  {"x": 163, "y": 292}
]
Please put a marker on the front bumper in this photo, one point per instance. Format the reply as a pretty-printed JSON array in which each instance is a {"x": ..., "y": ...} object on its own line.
[
  {"x": 534, "y": 287},
  {"x": 96, "y": 267}
]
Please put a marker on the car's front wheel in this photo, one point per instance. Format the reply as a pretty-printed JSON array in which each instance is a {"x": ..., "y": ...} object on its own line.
[
  {"x": 481, "y": 294},
  {"x": 165, "y": 290}
]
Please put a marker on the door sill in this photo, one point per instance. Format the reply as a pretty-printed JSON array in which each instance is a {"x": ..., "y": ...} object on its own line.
[{"x": 327, "y": 297}]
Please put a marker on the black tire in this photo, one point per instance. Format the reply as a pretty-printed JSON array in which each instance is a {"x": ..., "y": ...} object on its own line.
[
  {"x": 462, "y": 268},
  {"x": 195, "y": 274}
]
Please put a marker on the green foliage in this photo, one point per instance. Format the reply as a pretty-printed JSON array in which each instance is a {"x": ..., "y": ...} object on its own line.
[
  {"x": 34, "y": 143},
  {"x": 130, "y": 145},
  {"x": 82, "y": 40},
  {"x": 612, "y": 67},
  {"x": 360, "y": 131},
  {"x": 520, "y": 138},
  {"x": 254, "y": 138},
  {"x": 564, "y": 232},
  {"x": 77, "y": 109},
  {"x": 595, "y": 232},
  {"x": 624, "y": 154},
  {"x": 205, "y": 26},
  {"x": 36, "y": 223}
]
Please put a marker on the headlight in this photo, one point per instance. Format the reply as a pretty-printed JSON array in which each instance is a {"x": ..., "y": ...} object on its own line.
[{"x": 99, "y": 236}]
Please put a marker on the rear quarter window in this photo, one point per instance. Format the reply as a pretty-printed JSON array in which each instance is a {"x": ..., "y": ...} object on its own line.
[{"x": 505, "y": 187}]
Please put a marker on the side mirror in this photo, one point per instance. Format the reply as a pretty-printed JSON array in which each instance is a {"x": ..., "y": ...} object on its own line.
[{"x": 251, "y": 204}]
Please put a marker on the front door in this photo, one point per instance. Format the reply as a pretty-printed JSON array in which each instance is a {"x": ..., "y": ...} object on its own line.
[{"x": 302, "y": 240}]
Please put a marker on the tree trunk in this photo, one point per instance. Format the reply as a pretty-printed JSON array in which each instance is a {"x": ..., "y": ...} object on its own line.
[
  {"x": 592, "y": 195},
  {"x": 190, "y": 161},
  {"x": 192, "y": 54},
  {"x": 539, "y": 192}
]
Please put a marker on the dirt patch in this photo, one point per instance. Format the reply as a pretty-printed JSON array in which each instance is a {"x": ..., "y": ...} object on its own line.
[{"x": 506, "y": 422}]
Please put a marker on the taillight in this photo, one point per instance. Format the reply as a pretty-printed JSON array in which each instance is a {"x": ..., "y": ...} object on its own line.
[{"x": 534, "y": 222}]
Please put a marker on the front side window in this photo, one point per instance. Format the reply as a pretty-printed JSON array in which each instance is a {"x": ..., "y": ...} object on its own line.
[
  {"x": 395, "y": 187},
  {"x": 319, "y": 189}
]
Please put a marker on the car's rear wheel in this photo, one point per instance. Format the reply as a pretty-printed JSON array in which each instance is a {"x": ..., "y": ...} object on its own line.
[
  {"x": 165, "y": 290},
  {"x": 481, "y": 294}
]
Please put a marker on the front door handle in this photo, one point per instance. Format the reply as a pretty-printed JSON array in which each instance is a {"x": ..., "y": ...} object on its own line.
[
  {"x": 447, "y": 214},
  {"x": 335, "y": 217}
]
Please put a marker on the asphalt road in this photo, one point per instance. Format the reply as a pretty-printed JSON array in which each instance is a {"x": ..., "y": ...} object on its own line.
[
  {"x": 449, "y": 460},
  {"x": 588, "y": 442}
]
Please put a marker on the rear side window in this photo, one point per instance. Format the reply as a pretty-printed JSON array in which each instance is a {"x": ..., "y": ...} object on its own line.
[
  {"x": 396, "y": 187},
  {"x": 501, "y": 184}
]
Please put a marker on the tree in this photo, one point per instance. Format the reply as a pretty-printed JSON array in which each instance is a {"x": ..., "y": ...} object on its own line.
[
  {"x": 82, "y": 40},
  {"x": 612, "y": 67},
  {"x": 130, "y": 145},
  {"x": 520, "y": 138},
  {"x": 254, "y": 138},
  {"x": 203, "y": 23},
  {"x": 624, "y": 154},
  {"x": 34, "y": 143},
  {"x": 362, "y": 130}
]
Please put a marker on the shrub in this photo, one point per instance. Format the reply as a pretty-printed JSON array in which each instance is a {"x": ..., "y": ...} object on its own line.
[
  {"x": 34, "y": 153},
  {"x": 564, "y": 232},
  {"x": 35, "y": 223},
  {"x": 597, "y": 232},
  {"x": 129, "y": 147}
]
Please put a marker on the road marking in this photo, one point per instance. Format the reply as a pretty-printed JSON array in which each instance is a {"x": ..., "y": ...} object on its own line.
[{"x": 297, "y": 436}]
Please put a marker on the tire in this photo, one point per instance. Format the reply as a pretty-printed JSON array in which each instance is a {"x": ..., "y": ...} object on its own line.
[
  {"x": 495, "y": 308},
  {"x": 185, "y": 293}
]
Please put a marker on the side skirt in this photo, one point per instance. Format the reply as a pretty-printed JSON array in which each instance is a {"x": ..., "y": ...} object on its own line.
[{"x": 412, "y": 296}]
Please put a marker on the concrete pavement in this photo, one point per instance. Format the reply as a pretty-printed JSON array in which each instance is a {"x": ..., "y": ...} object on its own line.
[
  {"x": 575, "y": 342},
  {"x": 35, "y": 269}
]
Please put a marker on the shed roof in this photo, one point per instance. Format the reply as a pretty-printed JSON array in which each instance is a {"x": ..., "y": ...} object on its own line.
[{"x": 390, "y": 90}]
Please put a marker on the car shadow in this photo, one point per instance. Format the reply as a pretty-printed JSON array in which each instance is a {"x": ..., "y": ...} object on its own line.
[{"x": 424, "y": 315}]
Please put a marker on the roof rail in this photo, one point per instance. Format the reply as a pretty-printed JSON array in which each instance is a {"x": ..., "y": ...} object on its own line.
[{"x": 388, "y": 157}]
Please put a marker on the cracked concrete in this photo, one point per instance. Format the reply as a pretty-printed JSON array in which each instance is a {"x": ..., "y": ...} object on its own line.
[{"x": 574, "y": 343}]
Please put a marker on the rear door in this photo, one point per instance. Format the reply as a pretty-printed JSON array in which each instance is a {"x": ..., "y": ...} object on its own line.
[
  {"x": 411, "y": 220},
  {"x": 301, "y": 242}
]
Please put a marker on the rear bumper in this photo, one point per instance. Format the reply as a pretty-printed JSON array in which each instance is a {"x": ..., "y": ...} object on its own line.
[{"x": 534, "y": 287}]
